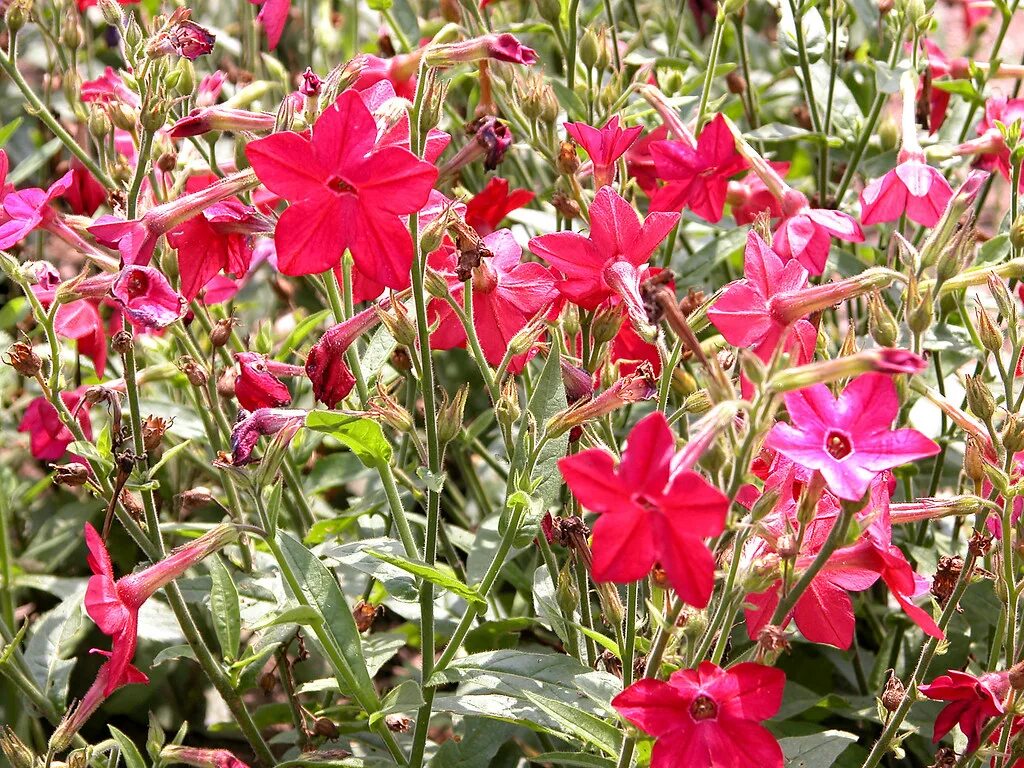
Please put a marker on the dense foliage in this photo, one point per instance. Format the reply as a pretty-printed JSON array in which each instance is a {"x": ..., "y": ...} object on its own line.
[{"x": 549, "y": 382}]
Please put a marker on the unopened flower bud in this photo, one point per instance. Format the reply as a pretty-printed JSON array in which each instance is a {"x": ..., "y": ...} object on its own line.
[
  {"x": 1015, "y": 675},
  {"x": 507, "y": 408},
  {"x": 974, "y": 462},
  {"x": 399, "y": 324},
  {"x": 194, "y": 498},
  {"x": 882, "y": 323},
  {"x": 753, "y": 367},
  {"x": 735, "y": 82},
  {"x": 588, "y": 50},
  {"x": 450, "y": 415},
  {"x": 15, "y": 750},
  {"x": 23, "y": 359},
  {"x": 979, "y": 398},
  {"x": 17, "y": 15},
  {"x": 1013, "y": 433},
  {"x": 73, "y": 475},
  {"x": 1017, "y": 233},
  {"x": 920, "y": 316},
  {"x": 99, "y": 123},
  {"x": 71, "y": 31},
  {"x": 550, "y": 11},
  {"x": 268, "y": 681},
  {"x": 566, "y": 206},
  {"x": 436, "y": 285},
  {"x": 606, "y": 325},
  {"x": 384, "y": 407},
  {"x": 186, "y": 77},
  {"x": 112, "y": 12},
  {"x": 154, "y": 115},
  {"x": 991, "y": 338},
  {"x": 567, "y": 593},
  {"x": 1004, "y": 300},
  {"x": 123, "y": 116},
  {"x": 888, "y": 134}
]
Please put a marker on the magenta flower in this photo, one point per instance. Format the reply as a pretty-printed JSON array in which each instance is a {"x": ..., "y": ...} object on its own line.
[
  {"x": 697, "y": 176},
  {"x": 345, "y": 192},
  {"x": 913, "y": 187},
  {"x": 500, "y": 47},
  {"x": 640, "y": 161},
  {"x": 488, "y": 207},
  {"x": 29, "y": 209},
  {"x": 219, "y": 118},
  {"x": 325, "y": 365},
  {"x": 848, "y": 439},
  {"x": 200, "y": 757},
  {"x": 507, "y": 294},
  {"x": 272, "y": 16},
  {"x": 108, "y": 679},
  {"x": 750, "y": 196},
  {"x": 748, "y": 314},
  {"x": 604, "y": 146},
  {"x": 109, "y": 88},
  {"x": 114, "y": 605},
  {"x": 651, "y": 510},
  {"x": 257, "y": 386},
  {"x": 611, "y": 261},
  {"x": 48, "y": 437},
  {"x": 708, "y": 717},
  {"x": 260, "y": 423},
  {"x": 972, "y": 701},
  {"x": 806, "y": 233},
  {"x": 147, "y": 298}
]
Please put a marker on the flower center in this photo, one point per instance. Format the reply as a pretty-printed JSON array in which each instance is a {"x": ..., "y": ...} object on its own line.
[
  {"x": 137, "y": 284},
  {"x": 703, "y": 708},
  {"x": 838, "y": 445},
  {"x": 339, "y": 185}
]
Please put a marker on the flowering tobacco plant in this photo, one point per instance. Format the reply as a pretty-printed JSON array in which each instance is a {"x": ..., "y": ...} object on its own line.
[{"x": 491, "y": 383}]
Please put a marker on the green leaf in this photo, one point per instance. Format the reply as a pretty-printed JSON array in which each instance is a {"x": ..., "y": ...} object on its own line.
[
  {"x": 362, "y": 436},
  {"x": 300, "y": 332},
  {"x": 8, "y": 130},
  {"x": 306, "y": 615},
  {"x": 53, "y": 636},
  {"x": 580, "y": 759},
  {"x": 172, "y": 653},
  {"x": 227, "y": 621},
  {"x": 588, "y": 728},
  {"x": 169, "y": 454},
  {"x": 379, "y": 5},
  {"x": 320, "y": 589},
  {"x": 440, "y": 575},
  {"x": 548, "y": 399},
  {"x": 378, "y": 352},
  {"x": 130, "y": 753},
  {"x": 820, "y": 750},
  {"x": 545, "y": 604}
]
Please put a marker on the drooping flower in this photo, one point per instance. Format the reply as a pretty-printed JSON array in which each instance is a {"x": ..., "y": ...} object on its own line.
[
  {"x": 750, "y": 196},
  {"x": 697, "y": 176},
  {"x": 325, "y": 365},
  {"x": 848, "y": 439},
  {"x": 640, "y": 162},
  {"x": 220, "y": 118},
  {"x": 488, "y": 207},
  {"x": 108, "y": 679},
  {"x": 48, "y": 436},
  {"x": 604, "y": 146},
  {"x": 490, "y": 139},
  {"x": 147, "y": 298},
  {"x": 114, "y": 605},
  {"x": 345, "y": 192},
  {"x": 913, "y": 187},
  {"x": 200, "y": 757},
  {"x": 972, "y": 701},
  {"x": 708, "y": 717},
  {"x": 260, "y": 423},
  {"x": 257, "y": 386},
  {"x": 181, "y": 36},
  {"x": 610, "y": 262},
  {"x": 651, "y": 510},
  {"x": 507, "y": 294}
]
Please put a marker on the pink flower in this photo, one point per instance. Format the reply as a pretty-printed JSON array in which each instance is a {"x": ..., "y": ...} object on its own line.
[
  {"x": 260, "y": 423},
  {"x": 200, "y": 757},
  {"x": 345, "y": 192},
  {"x": 611, "y": 261},
  {"x": 697, "y": 176},
  {"x": 848, "y": 439},
  {"x": 913, "y": 187},
  {"x": 29, "y": 209},
  {"x": 114, "y": 605},
  {"x": 708, "y": 717},
  {"x": 748, "y": 314},
  {"x": 399, "y": 70},
  {"x": 629, "y": 351},
  {"x": 972, "y": 701},
  {"x": 273, "y": 15},
  {"x": 147, "y": 298},
  {"x": 488, "y": 207},
  {"x": 85, "y": 194},
  {"x": 108, "y": 679},
  {"x": 507, "y": 294},
  {"x": 995, "y": 155},
  {"x": 939, "y": 66},
  {"x": 257, "y": 386},
  {"x": 220, "y": 118},
  {"x": 805, "y": 233},
  {"x": 49, "y": 438},
  {"x": 604, "y": 146},
  {"x": 109, "y": 88},
  {"x": 651, "y": 510}
]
